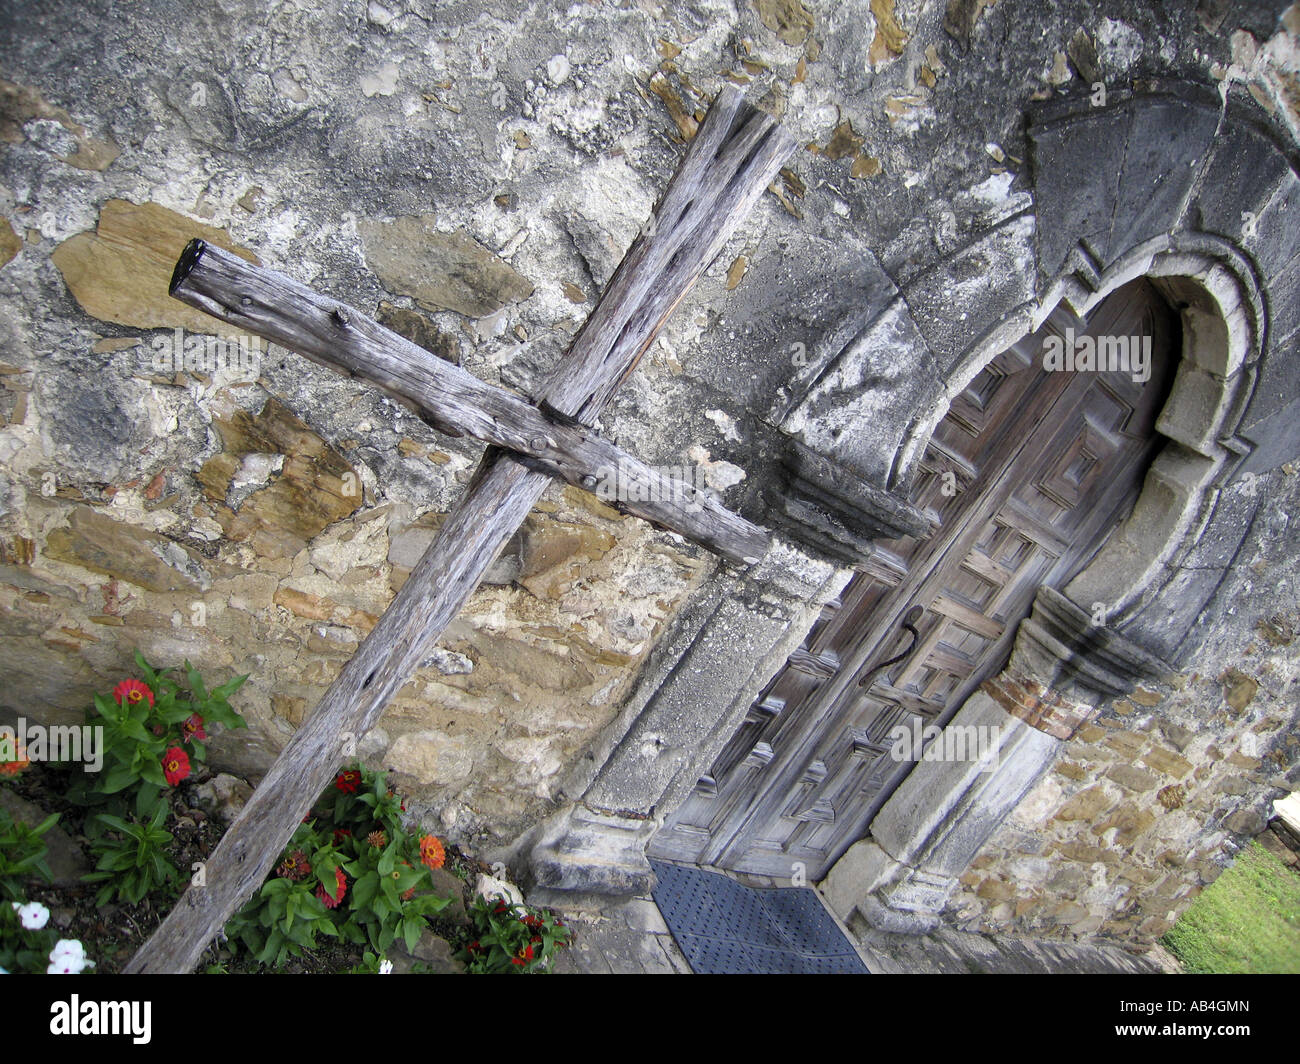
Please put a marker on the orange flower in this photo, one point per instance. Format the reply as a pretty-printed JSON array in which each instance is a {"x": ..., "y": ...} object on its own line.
[
  {"x": 133, "y": 692},
  {"x": 431, "y": 852},
  {"x": 20, "y": 762},
  {"x": 20, "y": 757}
]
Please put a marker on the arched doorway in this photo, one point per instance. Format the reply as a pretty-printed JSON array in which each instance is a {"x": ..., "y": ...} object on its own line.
[{"x": 1024, "y": 478}]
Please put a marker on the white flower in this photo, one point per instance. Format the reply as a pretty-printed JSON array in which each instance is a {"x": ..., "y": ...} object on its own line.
[
  {"x": 385, "y": 967},
  {"x": 33, "y": 915},
  {"x": 68, "y": 957}
]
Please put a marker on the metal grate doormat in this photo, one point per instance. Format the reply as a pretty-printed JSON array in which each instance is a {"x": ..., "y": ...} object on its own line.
[{"x": 725, "y": 928}]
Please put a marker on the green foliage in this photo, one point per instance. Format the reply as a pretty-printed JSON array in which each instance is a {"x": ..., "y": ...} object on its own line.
[
  {"x": 131, "y": 796},
  {"x": 282, "y": 921},
  {"x": 1246, "y": 921},
  {"x": 133, "y": 859},
  {"x": 22, "y": 854},
  {"x": 512, "y": 938},
  {"x": 387, "y": 892},
  {"x": 22, "y": 949},
  {"x": 137, "y": 735}
]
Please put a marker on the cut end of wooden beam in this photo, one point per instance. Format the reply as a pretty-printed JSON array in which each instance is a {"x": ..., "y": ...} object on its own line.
[{"x": 185, "y": 264}]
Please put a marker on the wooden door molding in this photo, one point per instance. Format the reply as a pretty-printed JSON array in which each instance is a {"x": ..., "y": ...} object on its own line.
[{"x": 1020, "y": 480}]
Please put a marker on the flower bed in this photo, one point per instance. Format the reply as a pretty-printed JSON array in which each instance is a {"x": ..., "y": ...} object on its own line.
[{"x": 355, "y": 889}]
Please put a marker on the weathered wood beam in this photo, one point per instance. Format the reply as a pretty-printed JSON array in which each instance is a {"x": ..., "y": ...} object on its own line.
[
  {"x": 736, "y": 153},
  {"x": 280, "y": 309}
]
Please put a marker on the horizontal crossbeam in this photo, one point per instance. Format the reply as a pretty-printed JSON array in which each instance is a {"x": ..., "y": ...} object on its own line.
[{"x": 286, "y": 312}]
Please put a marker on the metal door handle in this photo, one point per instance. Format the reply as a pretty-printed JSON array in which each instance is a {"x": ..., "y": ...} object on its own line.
[{"x": 909, "y": 624}]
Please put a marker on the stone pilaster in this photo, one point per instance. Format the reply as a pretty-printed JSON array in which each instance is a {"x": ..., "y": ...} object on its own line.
[
  {"x": 1061, "y": 671},
  {"x": 690, "y": 699}
]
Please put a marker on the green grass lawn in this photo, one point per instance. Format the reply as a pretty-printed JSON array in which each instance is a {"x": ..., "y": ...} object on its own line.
[{"x": 1246, "y": 921}]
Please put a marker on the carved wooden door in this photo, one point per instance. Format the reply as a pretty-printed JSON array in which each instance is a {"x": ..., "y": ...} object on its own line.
[{"x": 1022, "y": 481}]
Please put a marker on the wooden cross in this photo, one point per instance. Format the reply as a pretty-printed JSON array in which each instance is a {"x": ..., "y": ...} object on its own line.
[{"x": 732, "y": 159}]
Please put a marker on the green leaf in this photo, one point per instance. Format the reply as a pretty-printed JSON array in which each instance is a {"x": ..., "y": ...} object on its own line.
[
  {"x": 45, "y": 824},
  {"x": 116, "y": 823},
  {"x": 196, "y": 682},
  {"x": 411, "y": 930},
  {"x": 150, "y": 676},
  {"x": 364, "y": 889},
  {"x": 108, "y": 709},
  {"x": 152, "y": 771},
  {"x": 228, "y": 688}
]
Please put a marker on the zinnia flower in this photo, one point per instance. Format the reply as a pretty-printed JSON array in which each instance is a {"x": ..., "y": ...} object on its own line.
[
  {"x": 132, "y": 692},
  {"x": 295, "y": 866},
  {"x": 331, "y": 901},
  {"x": 431, "y": 852},
  {"x": 523, "y": 956},
  {"x": 348, "y": 781},
  {"x": 192, "y": 728},
  {"x": 340, "y": 834},
  {"x": 176, "y": 765},
  {"x": 20, "y": 762},
  {"x": 377, "y": 839},
  {"x": 33, "y": 915}
]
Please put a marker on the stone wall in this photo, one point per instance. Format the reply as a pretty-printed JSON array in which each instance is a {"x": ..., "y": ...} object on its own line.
[
  {"x": 471, "y": 174},
  {"x": 1147, "y": 804}
]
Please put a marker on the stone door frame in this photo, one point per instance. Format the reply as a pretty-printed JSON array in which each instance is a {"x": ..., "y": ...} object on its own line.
[{"x": 1170, "y": 183}]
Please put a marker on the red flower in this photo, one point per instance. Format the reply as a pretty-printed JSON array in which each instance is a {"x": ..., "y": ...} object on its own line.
[
  {"x": 331, "y": 901},
  {"x": 340, "y": 834},
  {"x": 501, "y": 906},
  {"x": 193, "y": 728},
  {"x": 431, "y": 852},
  {"x": 523, "y": 956},
  {"x": 20, "y": 761},
  {"x": 348, "y": 781},
  {"x": 474, "y": 947},
  {"x": 134, "y": 692},
  {"x": 176, "y": 765}
]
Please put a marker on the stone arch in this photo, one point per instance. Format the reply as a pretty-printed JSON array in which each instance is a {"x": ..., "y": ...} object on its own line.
[
  {"x": 1217, "y": 231},
  {"x": 1214, "y": 290},
  {"x": 1178, "y": 189}
]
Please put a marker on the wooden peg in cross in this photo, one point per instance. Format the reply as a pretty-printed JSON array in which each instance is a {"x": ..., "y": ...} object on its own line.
[{"x": 736, "y": 153}]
